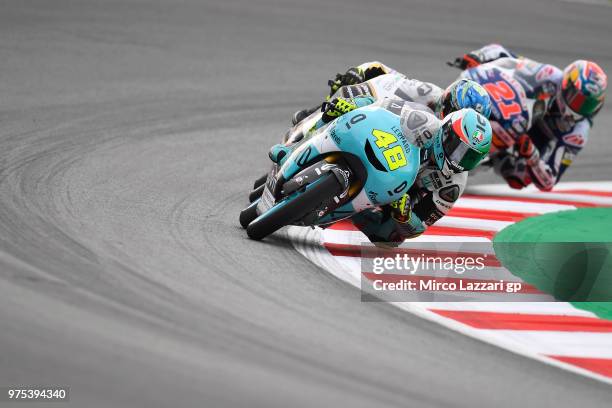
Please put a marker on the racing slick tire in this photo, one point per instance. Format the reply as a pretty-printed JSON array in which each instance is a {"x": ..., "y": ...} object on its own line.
[
  {"x": 296, "y": 209},
  {"x": 260, "y": 181},
  {"x": 248, "y": 214},
  {"x": 255, "y": 194}
]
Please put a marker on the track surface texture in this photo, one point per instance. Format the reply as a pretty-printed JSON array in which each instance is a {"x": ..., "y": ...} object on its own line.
[{"x": 130, "y": 133}]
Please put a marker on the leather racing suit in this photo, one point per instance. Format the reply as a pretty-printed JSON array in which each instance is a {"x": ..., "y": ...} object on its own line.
[{"x": 545, "y": 143}]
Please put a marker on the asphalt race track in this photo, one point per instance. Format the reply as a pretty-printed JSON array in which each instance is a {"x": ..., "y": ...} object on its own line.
[{"x": 130, "y": 133}]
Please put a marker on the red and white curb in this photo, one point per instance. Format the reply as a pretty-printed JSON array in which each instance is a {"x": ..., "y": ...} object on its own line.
[{"x": 554, "y": 333}]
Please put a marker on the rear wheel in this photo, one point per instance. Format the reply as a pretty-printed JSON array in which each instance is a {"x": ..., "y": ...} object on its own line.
[{"x": 284, "y": 214}]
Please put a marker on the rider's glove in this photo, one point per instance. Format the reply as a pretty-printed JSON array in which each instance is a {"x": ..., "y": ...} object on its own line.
[
  {"x": 408, "y": 225},
  {"x": 353, "y": 76},
  {"x": 542, "y": 176},
  {"x": 469, "y": 60},
  {"x": 278, "y": 153},
  {"x": 401, "y": 210},
  {"x": 336, "y": 107},
  {"x": 539, "y": 172},
  {"x": 527, "y": 150}
]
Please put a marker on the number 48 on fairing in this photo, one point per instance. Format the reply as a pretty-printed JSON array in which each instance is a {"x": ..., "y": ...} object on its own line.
[{"x": 394, "y": 155}]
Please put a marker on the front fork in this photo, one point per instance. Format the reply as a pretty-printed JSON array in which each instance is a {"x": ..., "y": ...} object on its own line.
[{"x": 316, "y": 171}]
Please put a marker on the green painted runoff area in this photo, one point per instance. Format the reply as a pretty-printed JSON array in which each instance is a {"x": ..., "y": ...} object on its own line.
[{"x": 567, "y": 254}]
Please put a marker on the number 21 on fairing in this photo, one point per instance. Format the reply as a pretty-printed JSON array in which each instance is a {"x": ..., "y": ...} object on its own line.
[
  {"x": 395, "y": 155},
  {"x": 505, "y": 98}
]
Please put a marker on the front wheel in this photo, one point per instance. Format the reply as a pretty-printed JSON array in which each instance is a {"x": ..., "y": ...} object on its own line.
[
  {"x": 248, "y": 214},
  {"x": 284, "y": 213},
  {"x": 255, "y": 194},
  {"x": 260, "y": 181}
]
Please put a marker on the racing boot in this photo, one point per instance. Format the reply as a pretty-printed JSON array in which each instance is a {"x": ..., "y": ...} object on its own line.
[
  {"x": 303, "y": 114},
  {"x": 278, "y": 153}
]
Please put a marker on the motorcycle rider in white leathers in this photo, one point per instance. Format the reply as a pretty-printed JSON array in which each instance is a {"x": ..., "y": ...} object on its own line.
[
  {"x": 380, "y": 81},
  {"x": 540, "y": 145}
]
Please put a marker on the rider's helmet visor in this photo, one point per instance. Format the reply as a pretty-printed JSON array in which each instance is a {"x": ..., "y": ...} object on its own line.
[
  {"x": 459, "y": 155},
  {"x": 570, "y": 102}
]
